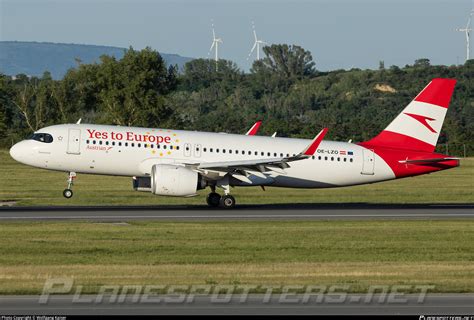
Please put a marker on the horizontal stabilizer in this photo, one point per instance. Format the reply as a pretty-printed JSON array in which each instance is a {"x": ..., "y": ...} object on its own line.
[{"x": 432, "y": 160}]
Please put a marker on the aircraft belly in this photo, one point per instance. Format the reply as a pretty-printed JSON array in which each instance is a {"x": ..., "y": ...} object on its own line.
[{"x": 326, "y": 174}]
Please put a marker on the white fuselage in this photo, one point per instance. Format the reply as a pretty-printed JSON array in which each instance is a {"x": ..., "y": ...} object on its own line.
[{"x": 108, "y": 150}]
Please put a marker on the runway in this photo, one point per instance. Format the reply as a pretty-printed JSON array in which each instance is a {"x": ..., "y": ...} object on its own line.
[
  {"x": 248, "y": 212},
  {"x": 277, "y": 304}
]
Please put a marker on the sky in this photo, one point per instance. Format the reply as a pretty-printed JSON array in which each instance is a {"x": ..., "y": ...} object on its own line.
[{"x": 340, "y": 34}]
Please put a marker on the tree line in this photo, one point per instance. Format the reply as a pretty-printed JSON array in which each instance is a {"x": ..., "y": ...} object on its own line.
[{"x": 284, "y": 89}]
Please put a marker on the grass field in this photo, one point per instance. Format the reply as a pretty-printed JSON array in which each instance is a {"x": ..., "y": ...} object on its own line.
[
  {"x": 31, "y": 186},
  {"x": 357, "y": 253}
]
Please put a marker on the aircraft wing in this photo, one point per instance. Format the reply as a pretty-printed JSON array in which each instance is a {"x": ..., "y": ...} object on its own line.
[{"x": 241, "y": 169}]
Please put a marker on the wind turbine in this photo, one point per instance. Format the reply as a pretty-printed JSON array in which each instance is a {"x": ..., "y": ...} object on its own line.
[
  {"x": 467, "y": 31},
  {"x": 256, "y": 44},
  {"x": 215, "y": 45}
]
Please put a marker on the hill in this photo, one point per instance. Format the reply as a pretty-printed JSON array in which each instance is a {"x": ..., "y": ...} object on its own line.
[{"x": 34, "y": 58}]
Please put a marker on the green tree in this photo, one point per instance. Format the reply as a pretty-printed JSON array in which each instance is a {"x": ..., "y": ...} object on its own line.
[
  {"x": 287, "y": 61},
  {"x": 132, "y": 90}
]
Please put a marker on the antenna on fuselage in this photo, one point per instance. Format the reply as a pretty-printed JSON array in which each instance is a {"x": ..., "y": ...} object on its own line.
[{"x": 79, "y": 121}]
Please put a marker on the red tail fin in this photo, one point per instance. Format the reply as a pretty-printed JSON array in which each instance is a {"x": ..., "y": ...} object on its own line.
[{"x": 419, "y": 125}]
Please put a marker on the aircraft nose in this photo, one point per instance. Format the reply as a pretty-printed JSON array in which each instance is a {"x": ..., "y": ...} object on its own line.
[
  {"x": 18, "y": 151},
  {"x": 15, "y": 152}
]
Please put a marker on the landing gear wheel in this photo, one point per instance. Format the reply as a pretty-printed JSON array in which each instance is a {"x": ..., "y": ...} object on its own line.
[
  {"x": 227, "y": 201},
  {"x": 67, "y": 193},
  {"x": 213, "y": 199}
]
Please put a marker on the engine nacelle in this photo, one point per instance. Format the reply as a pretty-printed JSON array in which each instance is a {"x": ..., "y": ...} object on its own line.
[{"x": 175, "y": 180}]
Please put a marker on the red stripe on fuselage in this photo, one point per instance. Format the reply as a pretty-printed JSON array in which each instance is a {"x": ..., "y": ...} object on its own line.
[
  {"x": 438, "y": 92},
  {"x": 392, "y": 157},
  {"x": 396, "y": 140}
]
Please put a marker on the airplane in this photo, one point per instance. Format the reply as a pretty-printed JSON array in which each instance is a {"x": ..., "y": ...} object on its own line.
[{"x": 170, "y": 162}]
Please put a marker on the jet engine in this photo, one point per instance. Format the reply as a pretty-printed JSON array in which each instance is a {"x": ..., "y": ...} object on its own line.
[{"x": 175, "y": 180}]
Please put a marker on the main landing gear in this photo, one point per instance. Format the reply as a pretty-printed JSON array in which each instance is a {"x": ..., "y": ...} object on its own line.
[
  {"x": 214, "y": 199},
  {"x": 67, "y": 193}
]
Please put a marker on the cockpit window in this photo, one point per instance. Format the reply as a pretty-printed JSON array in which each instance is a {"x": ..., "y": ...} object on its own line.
[{"x": 42, "y": 137}]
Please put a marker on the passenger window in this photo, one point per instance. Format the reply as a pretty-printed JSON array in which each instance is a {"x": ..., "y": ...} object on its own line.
[
  {"x": 256, "y": 153},
  {"x": 350, "y": 160},
  {"x": 87, "y": 141},
  {"x": 223, "y": 150},
  {"x": 93, "y": 141},
  {"x": 100, "y": 142},
  {"x": 120, "y": 144},
  {"x": 217, "y": 150}
]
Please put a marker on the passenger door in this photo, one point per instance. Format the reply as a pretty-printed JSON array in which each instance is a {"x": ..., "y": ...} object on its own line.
[
  {"x": 74, "y": 141},
  {"x": 368, "y": 163}
]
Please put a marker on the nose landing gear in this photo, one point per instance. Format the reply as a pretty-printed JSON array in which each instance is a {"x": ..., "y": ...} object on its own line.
[{"x": 67, "y": 193}]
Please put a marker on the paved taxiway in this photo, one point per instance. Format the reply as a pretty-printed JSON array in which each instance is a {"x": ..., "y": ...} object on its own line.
[
  {"x": 245, "y": 212},
  {"x": 352, "y": 304}
]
